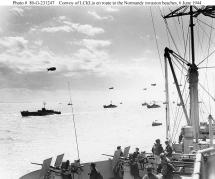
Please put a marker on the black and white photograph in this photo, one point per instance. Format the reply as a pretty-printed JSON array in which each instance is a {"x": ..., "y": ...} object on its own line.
[{"x": 107, "y": 90}]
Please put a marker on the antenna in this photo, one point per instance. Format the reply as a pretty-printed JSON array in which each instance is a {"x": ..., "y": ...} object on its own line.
[
  {"x": 44, "y": 104},
  {"x": 76, "y": 137}
]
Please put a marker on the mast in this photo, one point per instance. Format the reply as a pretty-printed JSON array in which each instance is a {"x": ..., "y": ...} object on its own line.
[
  {"x": 192, "y": 35},
  {"x": 70, "y": 98},
  {"x": 193, "y": 70},
  {"x": 167, "y": 101},
  {"x": 193, "y": 84}
]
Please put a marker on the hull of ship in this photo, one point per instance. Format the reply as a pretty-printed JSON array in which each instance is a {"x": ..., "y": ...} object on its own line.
[
  {"x": 109, "y": 106},
  {"x": 153, "y": 107},
  {"x": 25, "y": 114},
  {"x": 157, "y": 124}
]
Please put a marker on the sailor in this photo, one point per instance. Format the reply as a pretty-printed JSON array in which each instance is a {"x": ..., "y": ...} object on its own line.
[
  {"x": 142, "y": 159},
  {"x": 65, "y": 165},
  {"x": 117, "y": 163},
  {"x": 66, "y": 173},
  {"x": 134, "y": 168},
  {"x": 157, "y": 149},
  {"x": 94, "y": 174},
  {"x": 166, "y": 167},
  {"x": 168, "y": 150},
  {"x": 149, "y": 174},
  {"x": 180, "y": 138},
  {"x": 136, "y": 153},
  {"x": 76, "y": 167},
  {"x": 118, "y": 153}
]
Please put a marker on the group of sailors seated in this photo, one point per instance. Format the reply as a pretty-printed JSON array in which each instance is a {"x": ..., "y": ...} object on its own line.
[{"x": 159, "y": 164}]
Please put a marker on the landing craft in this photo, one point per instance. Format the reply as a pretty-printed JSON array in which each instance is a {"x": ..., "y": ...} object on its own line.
[
  {"x": 144, "y": 104},
  {"x": 156, "y": 123},
  {"x": 51, "y": 69},
  {"x": 152, "y": 106}
]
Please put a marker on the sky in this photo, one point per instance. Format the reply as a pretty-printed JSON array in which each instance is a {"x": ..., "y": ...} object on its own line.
[{"x": 92, "y": 49}]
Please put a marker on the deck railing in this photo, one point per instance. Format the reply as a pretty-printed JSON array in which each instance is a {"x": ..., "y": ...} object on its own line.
[{"x": 200, "y": 162}]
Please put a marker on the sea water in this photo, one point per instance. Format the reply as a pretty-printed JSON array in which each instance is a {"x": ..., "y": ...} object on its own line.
[{"x": 99, "y": 131}]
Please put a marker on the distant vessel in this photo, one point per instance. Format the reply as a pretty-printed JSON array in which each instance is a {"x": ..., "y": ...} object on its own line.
[
  {"x": 156, "y": 123},
  {"x": 152, "y": 106},
  {"x": 42, "y": 112},
  {"x": 51, "y": 69},
  {"x": 70, "y": 98},
  {"x": 110, "y": 106},
  {"x": 144, "y": 104}
]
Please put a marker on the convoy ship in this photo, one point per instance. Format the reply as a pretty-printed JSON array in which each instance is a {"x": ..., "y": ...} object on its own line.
[{"x": 42, "y": 112}]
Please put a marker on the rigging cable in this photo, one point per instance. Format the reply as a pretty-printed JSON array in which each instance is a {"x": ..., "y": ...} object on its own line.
[
  {"x": 180, "y": 64},
  {"x": 206, "y": 67},
  {"x": 189, "y": 46},
  {"x": 156, "y": 40},
  {"x": 205, "y": 23},
  {"x": 203, "y": 30},
  {"x": 205, "y": 107},
  {"x": 167, "y": 27},
  {"x": 182, "y": 28},
  {"x": 206, "y": 74},
  {"x": 201, "y": 108},
  {"x": 199, "y": 41},
  {"x": 178, "y": 112},
  {"x": 206, "y": 57},
  {"x": 179, "y": 121},
  {"x": 183, "y": 35},
  {"x": 201, "y": 111},
  {"x": 208, "y": 54},
  {"x": 187, "y": 37},
  {"x": 174, "y": 21},
  {"x": 206, "y": 91}
]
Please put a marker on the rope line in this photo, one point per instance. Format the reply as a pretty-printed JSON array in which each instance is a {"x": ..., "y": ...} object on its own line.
[{"x": 156, "y": 41}]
